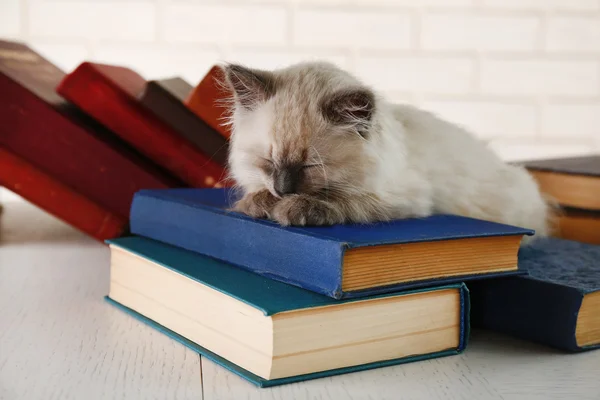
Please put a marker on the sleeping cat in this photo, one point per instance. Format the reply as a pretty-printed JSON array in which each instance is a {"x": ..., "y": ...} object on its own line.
[{"x": 312, "y": 145}]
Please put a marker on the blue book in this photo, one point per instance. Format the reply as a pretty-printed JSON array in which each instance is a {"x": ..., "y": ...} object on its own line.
[
  {"x": 272, "y": 333},
  {"x": 556, "y": 304},
  {"x": 340, "y": 261}
]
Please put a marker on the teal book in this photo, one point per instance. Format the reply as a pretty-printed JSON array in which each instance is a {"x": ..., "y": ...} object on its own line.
[{"x": 272, "y": 333}]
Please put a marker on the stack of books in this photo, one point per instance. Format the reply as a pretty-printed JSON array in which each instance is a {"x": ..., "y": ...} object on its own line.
[
  {"x": 574, "y": 183},
  {"x": 80, "y": 145},
  {"x": 141, "y": 166},
  {"x": 280, "y": 304}
]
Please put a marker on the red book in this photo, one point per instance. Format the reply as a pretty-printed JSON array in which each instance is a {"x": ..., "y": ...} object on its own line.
[
  {"x": 110, "y": 94},
  {"x": 206, "y": 101},
  {"x": 42, "y": 190},
  {"x": 41, "y": 127}
]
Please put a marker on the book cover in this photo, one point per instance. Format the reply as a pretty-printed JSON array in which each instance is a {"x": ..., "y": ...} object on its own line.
[
  {"x": 110, "y": 93},
  {"x": 337, "y": 261},
  {"x": 588, "y": 165},
  {"x": 579, "y": 225},
  {"x": 206, "y": 101},
  {"x": 269, "y": 298},
  {"x": 556, "y": 304},
  {"x": 573, "y": 182},
  {"x": 57, "y": 199},
  {"x": 165, "y": 99},
  {"x": 41, "y": 127}
]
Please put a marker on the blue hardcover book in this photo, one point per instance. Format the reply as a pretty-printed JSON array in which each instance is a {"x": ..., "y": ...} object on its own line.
[
  {"x": 340, "y": 261},
  {"x": 556, "y": 304},
  {"x": 272, "y": 333}
]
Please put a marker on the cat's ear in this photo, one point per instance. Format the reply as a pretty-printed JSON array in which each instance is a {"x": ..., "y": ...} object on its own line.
[
  {"x": 351, "y": 107},
  {"x": 250, "y": 86}
]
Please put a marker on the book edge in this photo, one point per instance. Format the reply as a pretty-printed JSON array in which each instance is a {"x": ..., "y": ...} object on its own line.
[
  {"x": 263, "y": 383},
  {"x": 268, "y": 312}
]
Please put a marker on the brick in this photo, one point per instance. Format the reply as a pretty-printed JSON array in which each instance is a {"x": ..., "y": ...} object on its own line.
[
  {"x": 10, "y": 18},
  {"x": 488, "y": 119},
  {"x": 389, "y": 3},
  {"x": 540, "y": 77},
  {"x": 422, "y": 3},
  {"x": 159, "y": 62},
  {"x": 571, "y": 120},
  {"x": 573, "y": 34},
  {"x": 65, "y": 56},
  {"x": 131, "y": 20},
  {"x": 399, "y": 97},
  {"x": 277, "y": 59},
  {"x": 579, "y": 5},
  {"x": 478, "y": 32},
  {"x": 419, "y": 74},
  {"x": 539, "y": 149},
  {"x": 225, "y": 24},
  {"x": 328, "y": 27}
]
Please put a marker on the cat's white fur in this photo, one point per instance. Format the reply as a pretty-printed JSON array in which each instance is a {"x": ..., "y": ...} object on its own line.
[
  {"x": 445, "y": 169},
  {"x": 421, "y": 164}
]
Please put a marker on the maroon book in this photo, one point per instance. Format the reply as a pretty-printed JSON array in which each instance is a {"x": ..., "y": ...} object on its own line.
[
  {"x": 165, "y": 98},
  {"x": 57, "y": 199},
  {"x": 110, "y": 94},
  {"x": 43, "y": 128}
]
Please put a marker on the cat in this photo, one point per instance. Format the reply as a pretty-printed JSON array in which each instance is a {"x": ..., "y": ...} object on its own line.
[{"x": 313, "y": 145}]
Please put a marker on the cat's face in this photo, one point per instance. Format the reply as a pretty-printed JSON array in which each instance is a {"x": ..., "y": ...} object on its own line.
[{"x": 298, "y": 130}]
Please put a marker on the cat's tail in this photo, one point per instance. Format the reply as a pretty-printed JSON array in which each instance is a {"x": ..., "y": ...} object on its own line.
[
  {"x": 546, "y": 218},
  {"x": 553, "y": 214}
]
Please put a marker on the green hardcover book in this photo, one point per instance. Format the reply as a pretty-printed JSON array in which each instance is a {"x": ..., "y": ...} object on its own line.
[{"x": 272, "y": 333}]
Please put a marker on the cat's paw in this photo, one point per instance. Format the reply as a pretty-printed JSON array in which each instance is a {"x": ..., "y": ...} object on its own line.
[
  {"x": 300, "y": 210},
  {"x": 257, "y": 205}
]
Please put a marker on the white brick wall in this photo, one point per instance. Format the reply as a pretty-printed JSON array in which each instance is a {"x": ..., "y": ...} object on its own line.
[
  {"x": 460, "y": 30},
  {"x": 352, "y": 28},
  {"x": 540, "y": 77},
  {"x": 211, "y": 24},
  {"x": 523, "y": 74}
]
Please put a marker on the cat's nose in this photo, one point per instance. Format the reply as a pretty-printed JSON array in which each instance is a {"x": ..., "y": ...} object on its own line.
[{"x": 286, "y": 181}]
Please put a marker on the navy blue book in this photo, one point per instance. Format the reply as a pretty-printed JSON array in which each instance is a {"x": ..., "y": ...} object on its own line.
[
  {"x": 556, "y": 304},
  {"x": 271, "y": 333},
  {"x": 340, "y": 261}
]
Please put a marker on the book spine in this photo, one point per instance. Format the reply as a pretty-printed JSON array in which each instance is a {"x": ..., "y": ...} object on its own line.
[
  {"x": 528, "y": 309},
  {"x": 301, "y": 260},
  {"x": 34, "y": 130},
  {"x": 187, "y": 124},
  {"x": 206, "y": 101},
  {"x": 42, "y": 190},
  {"x": 92, "y": 92}
]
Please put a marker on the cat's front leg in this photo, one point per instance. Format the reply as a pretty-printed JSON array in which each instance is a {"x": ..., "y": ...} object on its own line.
[
  {"x": 257, "y": 204},
  {"x": 302, "y": 209}
]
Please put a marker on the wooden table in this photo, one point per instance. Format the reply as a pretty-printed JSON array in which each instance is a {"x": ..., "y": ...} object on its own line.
[{"x": 60, "y": 340}]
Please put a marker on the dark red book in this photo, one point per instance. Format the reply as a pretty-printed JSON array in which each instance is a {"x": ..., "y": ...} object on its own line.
[
  {"x": 59, "y": 200},
  {"x": 207, "y": 101},
  {"x": 165, "y": 98},
  {"x": 109, "y": 94},
  {"x": 43, "y": 128}
]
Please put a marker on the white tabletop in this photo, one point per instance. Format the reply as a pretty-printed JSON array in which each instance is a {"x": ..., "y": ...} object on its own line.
[{"x": 59, "y": 339}]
